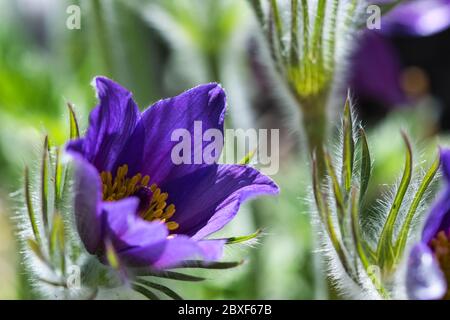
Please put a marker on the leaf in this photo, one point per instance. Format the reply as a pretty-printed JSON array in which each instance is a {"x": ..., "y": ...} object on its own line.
[
  {"x": 278, "y": 25},
  {"x": 30, "y": 209},
  {"x": 44, "y": 182},
  {"x": 336, "y": 187},
  {"x": 325, "y": 215},
  {"x": 366, "y": 164},
  {"x": 360, "y": 245},
  {"x": 235, "y": 240},
  {"x": 403, "y": 235},
  {"x": 348, "y": 147},
  {"x": 145, "y": 292},
  {"x": 168, "y": 275},
  {"x": 58, "y": 178},
  {"x": 167, "y": 291},
  {"x": 209, "y": 265},
  {"x": 385, "y": 253},
  {"x": 57, "y": 239},
  {"x": 294, "y": 53},
  {"x": 319, "y": 22},
  {"x": 74, "y": 128},
  {"x": 256, "y": 4},
  {"x": 356, "y": 232}
]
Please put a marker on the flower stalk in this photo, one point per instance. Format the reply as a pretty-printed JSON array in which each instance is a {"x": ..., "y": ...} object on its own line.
[{"x": 303, "y": 39}]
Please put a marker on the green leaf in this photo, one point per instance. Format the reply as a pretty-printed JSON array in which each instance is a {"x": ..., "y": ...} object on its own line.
[
  {"x": 30, "y": 209},
  {"x": 403, "y": 235},
  {"x": 44, "y": 182},
  {"x": 348, "y": 147},
  {"x": 167, "y": 291},
  {"x": 294, "y": 55},
  {"x": 385, "y": 249},
  {"x": 58, "y": 178},
  {"x": 145, "y": 292},
  {"x": 356, "y": 231},
  {"x": 366, "y": 164},
  {"x": 57, "y": 240},
  {"x": 317, "y": 39},
  {"x": 235, "y": 240},
  {"x": 332, "y": 36},
  {"x": 278, "y": 25},
  {"x": 168, "y": 275},
  {"x": 256, "y": 5},
  {"x": 336, "y": 187},
  {"x": 317, "y": 191},
  {"x": 325, "y": 215},
  {"x": 74, "y": 128},
  {"x": 361, "y": 246},
  {"x": 209, "y": 265}
]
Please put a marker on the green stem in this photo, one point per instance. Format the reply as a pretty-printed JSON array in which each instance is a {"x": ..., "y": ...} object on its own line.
[{"x": 314, "y": 123}]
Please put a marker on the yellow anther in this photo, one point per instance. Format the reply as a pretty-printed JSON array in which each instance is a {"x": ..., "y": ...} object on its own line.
[
  {"x": 172, "y": 225},
  {"x": 121, "y": 187},
  {"x": 145, "y": 181}
]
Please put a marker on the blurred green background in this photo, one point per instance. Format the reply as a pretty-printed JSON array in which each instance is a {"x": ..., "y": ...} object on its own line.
[{"x": 158, "y": 49}]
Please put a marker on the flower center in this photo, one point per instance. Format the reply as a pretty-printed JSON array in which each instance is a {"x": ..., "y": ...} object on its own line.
[
  {"x": 153, "y": 205},
  {"x": 441, "y": 248}
]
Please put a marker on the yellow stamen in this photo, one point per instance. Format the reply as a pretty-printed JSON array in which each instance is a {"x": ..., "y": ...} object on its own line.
[{"x": 121, "y": 187}]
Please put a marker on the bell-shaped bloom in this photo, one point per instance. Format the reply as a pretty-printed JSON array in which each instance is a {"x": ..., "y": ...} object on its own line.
[
  {"x": 376, "y": 65},
  {"x": 129, "y": 192},
  {"x": 428, "y": 274}
]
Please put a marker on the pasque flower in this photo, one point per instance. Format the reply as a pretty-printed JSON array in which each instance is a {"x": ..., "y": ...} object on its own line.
[
  {"x": 414, "y": 18},
  {"x": 129, "y": 193},
  {"x": 428, "y": 275}
]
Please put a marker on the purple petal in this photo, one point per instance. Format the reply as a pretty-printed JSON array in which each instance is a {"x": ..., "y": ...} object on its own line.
[
  {"x": 207, "y": 199},
  {"x": 368, "y": 79},
  {"x": 439, "y": 218},
  {"x": 212, "y": 250},
  {"x": 138, "y": 242},
  {"x": 424, "y": 278},
  {"x": 180, "y": 248},
  {"x": 111, "y": 124},
  {"x": 205, "y": 103},
  {"x": 88, "y": 196},
  {"x": 417, "y": 18}
]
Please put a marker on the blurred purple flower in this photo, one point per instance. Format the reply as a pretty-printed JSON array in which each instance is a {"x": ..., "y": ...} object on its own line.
[
  {"x": 428, "y": 275},
  {"x": 376, "y": 66},
  {"x": 129, "y": 193}
]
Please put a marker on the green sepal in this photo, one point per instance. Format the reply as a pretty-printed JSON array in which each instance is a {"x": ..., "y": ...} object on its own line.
[
  {"x": 44, "y": 182},
  {"x": 348, "y": 147},
  {"x": 366, "y": 164},
  {"x": 423, "y": 187},
  {"x": 385, "y": 248},
  {"x": 74, "y": 128},
  {"x": 30, "y": 209}
]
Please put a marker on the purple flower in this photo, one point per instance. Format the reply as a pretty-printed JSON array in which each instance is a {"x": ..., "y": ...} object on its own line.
[
  {"x": 129, "y": 193},
  {"x": 377, "y": 68},
  {"x": 428, "y": 275}
]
